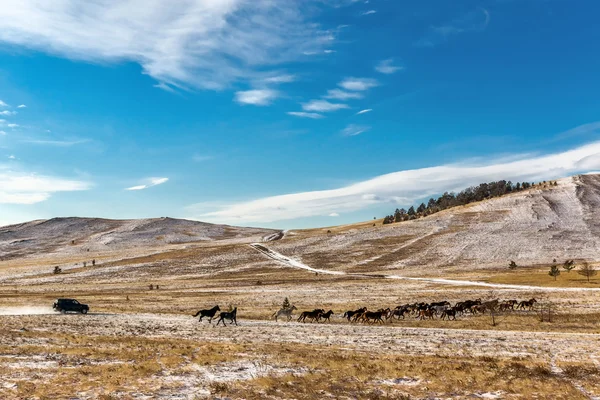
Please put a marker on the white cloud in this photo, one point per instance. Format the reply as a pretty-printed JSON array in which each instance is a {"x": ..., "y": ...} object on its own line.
[
  {"x": 354, "y": 130},
  {"x": 3, "y": 104},
  {"x": 367, "y": 110},
  {"x": 256, "y": 97},
  {"x": 334, "y": 214},
  {"x": 322, "y": 106},
  {"x": 2, "y": 133},
  {"x": 339, "y": 94},
  {"x": 7, "y": 113},
  {"x": 358, "y": 84},
  {"x": 406, "y": 187},
  {"x": 387, "y": 67},
  {"x": 21, "y": 106},
  {"x": 149, "y": 183},
  {"x": 305, "y": 114},
  {"x": 185, "y": 43},
  {"x": 12, "y": 125},
  {"x": 19, "y": 187},
  {"x": 287, "y": 78},
  {"x": 11, "y": 157},
  {"x": 369, "y": 12}
]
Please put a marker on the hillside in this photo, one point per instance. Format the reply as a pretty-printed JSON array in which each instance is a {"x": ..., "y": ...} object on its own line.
[
  {"x": 530, "y": 227},
  {"x": 76, "y": 235}
]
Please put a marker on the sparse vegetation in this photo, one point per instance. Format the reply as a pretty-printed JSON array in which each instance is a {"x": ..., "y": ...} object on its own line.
[{"x": 587, "y": 270}]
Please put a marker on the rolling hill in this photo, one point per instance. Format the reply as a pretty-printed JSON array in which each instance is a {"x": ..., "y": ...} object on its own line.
[{"x": 66, "y": 235}]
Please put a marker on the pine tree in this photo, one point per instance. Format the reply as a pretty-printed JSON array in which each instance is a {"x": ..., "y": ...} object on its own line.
[
  {"x": 554, "y": 271},
  {"x": 411, "y": 211}
]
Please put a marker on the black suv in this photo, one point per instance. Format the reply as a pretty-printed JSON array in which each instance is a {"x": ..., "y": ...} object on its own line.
[{"x": 64, "y": 305}]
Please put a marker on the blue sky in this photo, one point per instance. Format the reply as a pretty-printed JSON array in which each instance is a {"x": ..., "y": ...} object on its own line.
[{"x": 289, "y": 113}]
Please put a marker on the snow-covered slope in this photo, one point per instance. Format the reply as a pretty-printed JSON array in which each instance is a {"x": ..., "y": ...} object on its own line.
[{"x": 534, "y": 226}]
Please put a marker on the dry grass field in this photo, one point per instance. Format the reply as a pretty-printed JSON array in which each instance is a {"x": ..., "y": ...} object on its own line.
[{"x": 142, "y": 343}]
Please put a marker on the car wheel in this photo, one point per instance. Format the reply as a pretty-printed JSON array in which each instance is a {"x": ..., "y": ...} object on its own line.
[
  {"x": 84, "y": 311},
  {"x": 63, "y": 311}
]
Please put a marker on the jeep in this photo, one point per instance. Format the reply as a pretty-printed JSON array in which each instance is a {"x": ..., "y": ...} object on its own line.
[{"x": 64, "y": 305}]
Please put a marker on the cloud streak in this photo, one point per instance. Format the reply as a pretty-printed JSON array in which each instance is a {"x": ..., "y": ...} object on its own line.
[
  {"x": 20, "y": 187},
  {"x": 323, "y": 106},
  {"x": 355, "y": 130},
  {"x": 301, "y": 114},
  {"x": 405, "y": 187},
  {"x": 150, "y": 182}
]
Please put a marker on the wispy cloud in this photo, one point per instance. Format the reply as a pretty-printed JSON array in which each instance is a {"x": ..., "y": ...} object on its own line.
[
  {"x": 3, "y": 104},
  {"x": 366, "y": 110},
  {"x": 334, "y": 214},
  {"x": 322, "y": 106},
  {"x": 2, "y": 133},
  {"x": 305, "y": 114},
  {"x": 276, "y": 79},
  {"x": 12, "y": 125},
  {"x": 474, "y": 21},
  {"x": 7, "y": 113},
  {"x": 150, "y": 182},
  {"x": 358, "y": 84},
  {"x": 195, "y": 43},
  {"x": 387, "y": 67},
  {"x": 369, "y": 12},
  {"x": 202, "y": 157},
  {"x": 406, "y": 187},
  {"x": 165, "y": 87},
  {"x": 21, "y": 106},
  {"x": 354, "y": 130},
  {"x": 21, "y": 187},
  {"x": 338, "y": 94},
  {"x": 57, "y": 143},
  {"x": 256, "y": 97}
]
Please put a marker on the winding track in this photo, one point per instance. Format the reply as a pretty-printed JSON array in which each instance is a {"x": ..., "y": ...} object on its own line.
[{"x": 290, "y": 262}]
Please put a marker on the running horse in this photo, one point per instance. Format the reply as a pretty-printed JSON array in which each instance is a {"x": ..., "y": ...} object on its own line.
[{"x": 210, "y": 314}]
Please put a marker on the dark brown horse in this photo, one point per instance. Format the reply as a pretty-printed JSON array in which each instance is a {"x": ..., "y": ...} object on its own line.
[
  {"x": 231, "y": 316},
  {"x": 207, "y": 313},
  {"x": 374, "y": 316},
  {"x": 352, "y": 313},
  {"x": 325, "y": 316},
  {"x": 312, "y": 315},
  {"x": 526, "y": 304}
]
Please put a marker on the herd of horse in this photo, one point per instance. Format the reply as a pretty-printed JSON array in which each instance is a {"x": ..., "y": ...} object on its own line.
[{"x": 422, "y": 311}]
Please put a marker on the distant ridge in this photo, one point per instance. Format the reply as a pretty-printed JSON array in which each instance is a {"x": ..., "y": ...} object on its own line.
[{"x": 68, "y": 234}]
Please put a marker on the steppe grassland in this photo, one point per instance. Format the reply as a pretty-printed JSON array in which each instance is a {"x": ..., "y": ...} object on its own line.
[{"x": 147, "y": 343}]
